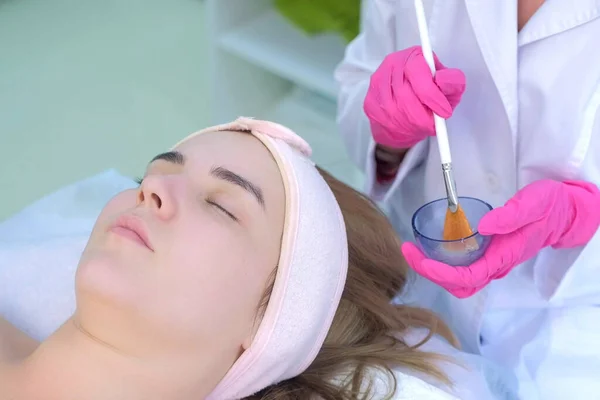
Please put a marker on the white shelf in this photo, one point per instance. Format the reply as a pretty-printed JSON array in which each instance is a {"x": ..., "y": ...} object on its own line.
[
  {"x": 273, "y": 44},
  {"x": 310, "y": 117},
  {"x": 264, "y": 67}
]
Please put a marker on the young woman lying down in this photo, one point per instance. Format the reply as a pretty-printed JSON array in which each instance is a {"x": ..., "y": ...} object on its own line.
[{"x": 238, "y": 270}]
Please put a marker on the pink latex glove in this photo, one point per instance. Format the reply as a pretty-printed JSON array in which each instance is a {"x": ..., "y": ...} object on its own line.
[
  {"x": 543, "y": 213},
  {"x": 402, "y": 95}
]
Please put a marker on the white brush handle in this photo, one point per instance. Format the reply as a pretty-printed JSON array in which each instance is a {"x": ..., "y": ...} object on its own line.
[{"x": 440, "y": 123}]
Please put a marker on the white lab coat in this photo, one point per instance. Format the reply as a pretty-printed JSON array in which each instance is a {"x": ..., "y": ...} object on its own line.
[{"x": 531, "y": 111}]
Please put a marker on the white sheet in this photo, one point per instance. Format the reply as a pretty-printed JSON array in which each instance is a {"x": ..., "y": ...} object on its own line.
[
  {"x": 40, "y": 248},
  {"x": 70, "y": 210}
]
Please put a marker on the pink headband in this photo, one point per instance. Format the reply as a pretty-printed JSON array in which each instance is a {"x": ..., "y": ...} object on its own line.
[{"x": 311, "y": 273}]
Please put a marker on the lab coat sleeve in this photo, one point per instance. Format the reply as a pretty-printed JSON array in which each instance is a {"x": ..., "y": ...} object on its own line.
[
  {"x": 576, "y": 282},
  {"x": 363, "y": 56}
]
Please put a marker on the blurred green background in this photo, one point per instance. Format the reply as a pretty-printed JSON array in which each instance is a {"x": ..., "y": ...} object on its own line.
[{"x": 87, "y": 85}]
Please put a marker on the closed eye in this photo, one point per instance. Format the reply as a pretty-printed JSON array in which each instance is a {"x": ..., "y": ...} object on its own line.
[
  {"x": 212, "y": 203},
  {"x": 222, "y": 209}
]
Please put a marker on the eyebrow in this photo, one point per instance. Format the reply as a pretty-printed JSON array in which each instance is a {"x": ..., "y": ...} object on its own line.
[
  {"x": 221, "y": 173},
  {"x": 231, "y": 177},
  {"x": 173, "y": 157}
]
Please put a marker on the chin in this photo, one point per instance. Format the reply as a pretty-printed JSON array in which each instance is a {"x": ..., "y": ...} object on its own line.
[
  {"x": 102, "y": 278},
  {"x": 109, "y": 315}
]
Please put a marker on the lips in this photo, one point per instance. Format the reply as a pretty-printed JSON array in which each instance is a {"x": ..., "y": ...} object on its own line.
[{"x": 133, "y": 228}]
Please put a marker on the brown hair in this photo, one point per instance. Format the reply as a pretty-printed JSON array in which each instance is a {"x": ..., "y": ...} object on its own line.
[{"x": 367, "y": 328}]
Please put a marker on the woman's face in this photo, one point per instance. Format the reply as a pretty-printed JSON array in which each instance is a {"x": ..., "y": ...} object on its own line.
[{"x": 210, "y": 219}]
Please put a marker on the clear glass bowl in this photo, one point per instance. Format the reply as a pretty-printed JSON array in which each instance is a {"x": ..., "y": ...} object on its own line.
[{"x": 428, "y": 227}]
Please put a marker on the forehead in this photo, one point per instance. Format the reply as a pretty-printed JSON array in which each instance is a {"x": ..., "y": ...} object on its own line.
[
  {"x": 240, "y": 152},
  {"x": 224, "y": 145}
]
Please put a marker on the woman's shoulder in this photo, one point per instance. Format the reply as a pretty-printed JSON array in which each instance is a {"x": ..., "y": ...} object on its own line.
[{"x": 14, "y": 344}]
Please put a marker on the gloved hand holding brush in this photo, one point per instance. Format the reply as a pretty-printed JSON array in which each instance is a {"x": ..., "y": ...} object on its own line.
[
  {"x": 543, "y": 213},
  {"x": 403, "y": 96}
]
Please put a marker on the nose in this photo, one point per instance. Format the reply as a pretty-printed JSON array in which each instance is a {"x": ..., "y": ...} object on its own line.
[{"x": 156, "y": 194}]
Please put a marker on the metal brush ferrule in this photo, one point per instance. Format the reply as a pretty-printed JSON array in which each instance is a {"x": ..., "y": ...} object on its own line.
[{"x": 450, "y": 187}]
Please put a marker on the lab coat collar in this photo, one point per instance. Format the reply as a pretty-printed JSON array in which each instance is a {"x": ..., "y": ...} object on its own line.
[
  {"x": 556, "y": 16},
  {"x": 495, "y": 26}
]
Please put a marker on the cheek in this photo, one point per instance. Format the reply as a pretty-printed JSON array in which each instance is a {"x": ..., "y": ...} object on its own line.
[{"x": 215, "y": 277}]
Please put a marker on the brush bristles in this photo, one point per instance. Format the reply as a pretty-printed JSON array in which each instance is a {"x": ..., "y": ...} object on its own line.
[{"x": 457, "y": 227}]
